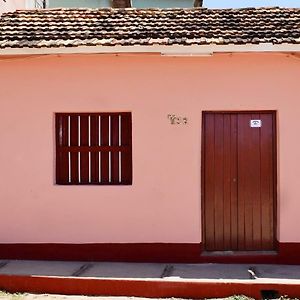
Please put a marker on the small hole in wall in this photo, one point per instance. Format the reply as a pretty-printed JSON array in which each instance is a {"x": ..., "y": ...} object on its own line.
[{"x": 269, "y": 294}]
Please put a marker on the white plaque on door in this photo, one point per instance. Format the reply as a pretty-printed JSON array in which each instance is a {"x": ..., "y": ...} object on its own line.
[{"x": 255, "y": 123}]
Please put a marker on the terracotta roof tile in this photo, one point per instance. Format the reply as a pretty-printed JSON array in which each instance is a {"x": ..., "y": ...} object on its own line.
[{"x": 110, "y": 27}]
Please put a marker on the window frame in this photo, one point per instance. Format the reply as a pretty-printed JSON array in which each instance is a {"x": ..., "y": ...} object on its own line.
[{"x": 112, "y": 143}]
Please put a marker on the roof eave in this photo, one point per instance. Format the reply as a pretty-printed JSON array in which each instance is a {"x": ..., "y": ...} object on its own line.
[{"x": 180, "y": 50}]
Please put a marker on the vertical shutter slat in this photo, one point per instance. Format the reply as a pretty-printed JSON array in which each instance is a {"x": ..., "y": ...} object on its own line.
[
  {"x": 126, "y": 160},
  {"x": 104, "y": 155},
  {"x": 84, "y": 156},
  {"x": 62, "y": 159},
  {"x": 74, "y": 155},
  {"x": 94, "y": 155},
  {"x": 115, "y": 154}
]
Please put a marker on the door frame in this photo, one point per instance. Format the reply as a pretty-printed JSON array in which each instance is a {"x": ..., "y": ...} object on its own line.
[{"x": 275, "y": 172}]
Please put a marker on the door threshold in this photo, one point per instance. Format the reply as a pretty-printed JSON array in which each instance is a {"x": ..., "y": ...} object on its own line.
[{"x": 240, "y": 253}]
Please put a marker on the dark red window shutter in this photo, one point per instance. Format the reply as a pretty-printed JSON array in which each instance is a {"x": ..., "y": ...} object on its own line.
[{"x": 93, "y": 148}]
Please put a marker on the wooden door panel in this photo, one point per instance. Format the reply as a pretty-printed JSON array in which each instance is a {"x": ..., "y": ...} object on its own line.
[
  {"x": 227, "y": 183},
  {"x": 219, "y": 182},
  {"x": 267, "y": 182},
  {"x": 234, "y": 182},
  {"x": 248, "y": 180},
  {"x": 239, "y": 181},
  {"x": 255, "y": 186},
  {"x": 209, "y": 150}
]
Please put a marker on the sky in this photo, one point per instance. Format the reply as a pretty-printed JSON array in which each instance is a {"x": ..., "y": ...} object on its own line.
[{"x": 250, "y": 3}]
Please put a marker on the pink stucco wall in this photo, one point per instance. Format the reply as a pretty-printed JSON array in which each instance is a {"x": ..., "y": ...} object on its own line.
[{"x": 163, "y": 204}]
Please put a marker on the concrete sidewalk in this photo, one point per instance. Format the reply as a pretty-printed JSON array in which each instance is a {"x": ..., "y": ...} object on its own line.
[
  {"x": 111, "y": 270},
  {"x": 149, "y": 279}
]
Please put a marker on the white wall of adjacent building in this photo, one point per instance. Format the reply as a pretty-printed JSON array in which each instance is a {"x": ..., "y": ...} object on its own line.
[{"x": 12, "y": 5}]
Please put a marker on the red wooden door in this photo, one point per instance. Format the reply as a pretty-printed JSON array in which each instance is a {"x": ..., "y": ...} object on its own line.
[{"x": 239, "y": 181}]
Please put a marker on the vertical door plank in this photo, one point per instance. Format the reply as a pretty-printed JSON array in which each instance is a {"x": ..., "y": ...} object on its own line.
[
  {"x": 62, "y": 158},
  {"x": 267, "y": 181},
  {"x": 84, "y": 156},
  {"x": 234, "y": 181},
  {"x": 219, "y": 182},
  {"x": 74, "y": 155},
  {"x": 249, "y": 180},
  {"x": 243, "y": 183},
  {"x": 249, "y": 183},
  {"x": 209, "y": 181},
  {"x": 94, "y": 155},
  {"x": 104, "y": 154},
  {"x": 115, "y": 154},
  {"x": 256, "y": 174},
  {"x": 251, "y": 172},
  {"x": 227, "y": 182},
  {"x": 126, "y": 156}
]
